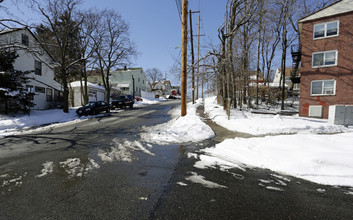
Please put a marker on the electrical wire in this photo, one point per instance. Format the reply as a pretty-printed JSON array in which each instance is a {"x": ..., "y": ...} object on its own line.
[{"x": 179, "y": 8}]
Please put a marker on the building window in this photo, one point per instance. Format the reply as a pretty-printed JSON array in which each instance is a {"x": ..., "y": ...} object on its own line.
[
  {"x": 37, "y": 67},
  {"x": 30, "y": 90},
  {"x": 323, "y": 59},
  {"x": 328, "y": 29},
  {"x": 92, "y": 93},
  {"x": 25, "y": 40},
  {"x": 323, "y": 87},
  {"x": 49, "y": 95},
  {"x": 57, "y": 96},
  {"x": 39, "y": 89}
]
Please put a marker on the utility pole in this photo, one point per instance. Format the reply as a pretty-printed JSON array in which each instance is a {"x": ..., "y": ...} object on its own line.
[
  {"x": 133, "y": 86},
  {"x": 184, "y": 42},
  {"x": 198, "y": 61},
  {"x": 192, "y": 60}
]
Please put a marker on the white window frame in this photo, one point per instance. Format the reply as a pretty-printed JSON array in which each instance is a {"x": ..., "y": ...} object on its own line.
[
  {"x": 324, "y": 53},
  {"x": 322, "y": 87},
  {"x": 325, "y": 29}
]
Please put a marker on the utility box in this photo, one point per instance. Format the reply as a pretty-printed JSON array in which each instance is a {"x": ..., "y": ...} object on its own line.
[
  {"x": 341, "y": 114},
  {"x": 349, "y": 115},
  {"x": 336, "y": 114}
]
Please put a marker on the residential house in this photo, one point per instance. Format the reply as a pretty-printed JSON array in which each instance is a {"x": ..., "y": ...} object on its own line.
[
  {"x": 326, "y": 56},
  {"x": 33, "y": 57},
  {"x": 130, "y": 81},
  {"x": 95, "y": 93},
  {"x": 277, "y": 80},
  {"x": 162, "y": 88}
]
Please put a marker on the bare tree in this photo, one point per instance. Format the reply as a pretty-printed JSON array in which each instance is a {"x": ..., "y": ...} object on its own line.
[
  {"x": 87, "y": 48},
  {"x": 154, "y": 74},
  {"x": 62, "y": 40},
  {"x": 9, "y": 19},
  {"x": 238, "y": 13},
  {"x": 114, "y": 47}
]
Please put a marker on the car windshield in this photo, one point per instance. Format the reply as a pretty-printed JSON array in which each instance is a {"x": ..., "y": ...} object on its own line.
[
  {"x": 121, "y": 97},
  {"x": 90, "y": 104}
]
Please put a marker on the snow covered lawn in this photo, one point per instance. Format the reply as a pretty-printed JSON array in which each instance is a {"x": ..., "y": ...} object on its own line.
[
  {"x": 324, "y": 159},
  {"x": 263, "y": 124},
  {"x": 306, "y": 153}
]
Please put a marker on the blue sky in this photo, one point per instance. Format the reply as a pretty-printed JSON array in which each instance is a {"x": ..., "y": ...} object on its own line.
[{"x": 155, "y": 26}]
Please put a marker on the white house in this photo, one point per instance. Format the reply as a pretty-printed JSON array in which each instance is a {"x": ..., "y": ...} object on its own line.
[
  {"x": 33, "y": 57},
  {"x": 162, "y": 88},
  {"x": 95, "y": 92},
  {"x": 277, "y": 81}
]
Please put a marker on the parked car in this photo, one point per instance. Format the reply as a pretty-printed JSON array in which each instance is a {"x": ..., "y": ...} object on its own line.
[
  {"x": 122, "y": 101},
  {"x": 93, "y": 108}
]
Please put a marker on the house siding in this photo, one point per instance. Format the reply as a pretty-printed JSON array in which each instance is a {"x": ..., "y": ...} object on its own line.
[
  {"x": 342, "y": 72},
  {"x": 26, "y": 62},
  {"x": 124, "y": 77}
]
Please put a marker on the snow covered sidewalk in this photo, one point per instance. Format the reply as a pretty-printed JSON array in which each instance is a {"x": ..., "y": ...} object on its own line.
[{"x": 11, "y": 125}]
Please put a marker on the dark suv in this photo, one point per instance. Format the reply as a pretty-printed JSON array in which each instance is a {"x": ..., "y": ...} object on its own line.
[{"x": 122, "y": 101}]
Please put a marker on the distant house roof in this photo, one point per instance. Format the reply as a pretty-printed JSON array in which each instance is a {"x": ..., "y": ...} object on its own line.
[
  {"x": 340, "y": 7},
  {"x": 166, "y": 82},
  {"x": 91, "y": 85},
  {"x": 78, "y": 84},
  {"x": 123, "y": 85}
]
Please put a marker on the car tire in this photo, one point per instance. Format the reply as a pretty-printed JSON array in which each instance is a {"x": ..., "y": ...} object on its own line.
[
  {"x": 131, "y": 106},
  {"x": 94, "y": 112},
  {"x": 108, "y": 110}
]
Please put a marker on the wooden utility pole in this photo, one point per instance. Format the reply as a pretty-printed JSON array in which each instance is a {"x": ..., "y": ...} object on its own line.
[
  {"x": 184, "y": 42},
  {"x": 198, "y": 61},
  {"x": 192, "y": 60}
]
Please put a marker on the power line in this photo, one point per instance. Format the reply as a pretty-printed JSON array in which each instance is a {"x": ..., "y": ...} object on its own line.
[{"x": 178, "y": 4}]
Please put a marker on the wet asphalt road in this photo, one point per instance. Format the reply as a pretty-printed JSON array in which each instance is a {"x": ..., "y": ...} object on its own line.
[{"x": 146, "y": 186}]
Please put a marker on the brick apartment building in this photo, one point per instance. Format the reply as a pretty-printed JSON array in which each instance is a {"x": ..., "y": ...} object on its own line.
[{"x": 327, "y": 59}]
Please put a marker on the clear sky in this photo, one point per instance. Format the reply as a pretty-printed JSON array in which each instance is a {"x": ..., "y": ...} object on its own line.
[{"x": 155, "y": 26}]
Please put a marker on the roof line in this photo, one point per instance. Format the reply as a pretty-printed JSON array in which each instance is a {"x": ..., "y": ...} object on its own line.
[{"x": 300, "y": 20}]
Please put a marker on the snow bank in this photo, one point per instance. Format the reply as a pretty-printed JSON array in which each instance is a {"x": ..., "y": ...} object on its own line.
[
  {"x": 262, "y": 124},
  {"x": 189, "y": 128},
  {"x": 324, "y": 159},
  {"x": 9, "y": 125},
  {"x": 148, "y": 101}
]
